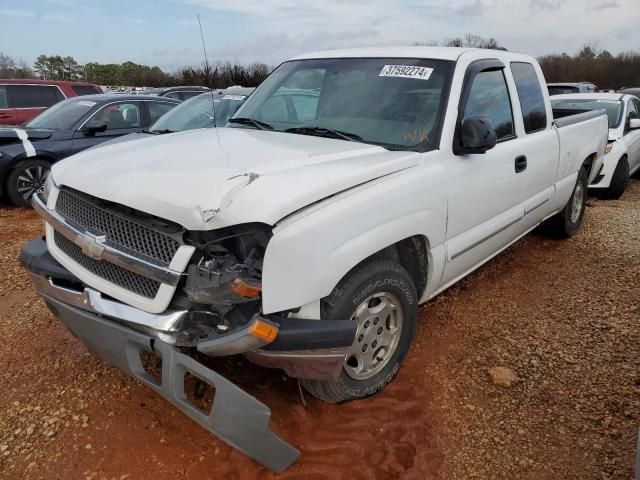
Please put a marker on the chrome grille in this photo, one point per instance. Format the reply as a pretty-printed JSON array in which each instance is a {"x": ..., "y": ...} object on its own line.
[
  {"x": 130, "y": 236},
  {"x": 112, "y": 273}
]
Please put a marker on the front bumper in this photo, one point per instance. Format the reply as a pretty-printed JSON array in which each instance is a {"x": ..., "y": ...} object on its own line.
[
  {"x": 236, "y": 417},
  {"x": 118, "y": 333}
]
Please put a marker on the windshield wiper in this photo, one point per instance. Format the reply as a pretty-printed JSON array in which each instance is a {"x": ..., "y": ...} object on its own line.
[
  {"x": 158, "y": 132},
  {"x": 250, "y": 121},
  {"x": 326, "y": 132}
]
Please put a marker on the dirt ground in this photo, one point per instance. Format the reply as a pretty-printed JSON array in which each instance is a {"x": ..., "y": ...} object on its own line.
[{"x": 563, "y": 315}]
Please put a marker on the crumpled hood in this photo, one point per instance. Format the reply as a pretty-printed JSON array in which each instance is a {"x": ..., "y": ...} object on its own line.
[{"x": 210, "y": 178}]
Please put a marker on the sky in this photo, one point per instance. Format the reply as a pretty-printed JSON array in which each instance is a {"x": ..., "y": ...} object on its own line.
[{"x": 165, "y": 32}]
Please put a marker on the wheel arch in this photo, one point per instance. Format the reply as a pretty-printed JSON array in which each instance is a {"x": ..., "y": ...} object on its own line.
[{"x": 300, "y": 269}]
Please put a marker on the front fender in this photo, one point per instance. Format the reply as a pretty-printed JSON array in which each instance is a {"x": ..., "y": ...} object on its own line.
[{"x": 313, "y": 250}]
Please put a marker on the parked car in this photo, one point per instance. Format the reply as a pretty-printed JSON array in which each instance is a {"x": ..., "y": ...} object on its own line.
[
  {"x": 307, "y": 242},
  {"x": 26, "y": 153},
  {"x": 179, "y": 93},
  {"x": 565, "y": 88},
  {"x": 622, "y": 157},
  {"x": 635, "y": 91},
  {"x": 21, "y": 100},
  {"x": 197, "y": 112}
]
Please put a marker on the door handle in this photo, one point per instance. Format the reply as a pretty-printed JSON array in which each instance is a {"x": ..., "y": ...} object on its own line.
[{"x": 521, "y": 163}]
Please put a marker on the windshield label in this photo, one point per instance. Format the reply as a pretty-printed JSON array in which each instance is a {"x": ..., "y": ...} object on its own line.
[
  {"x": 233, "y": 97},
  {"x": 608, "y": 101},
  {"x": 406, "y": 71},
  {"x": 86, "y": 103}
]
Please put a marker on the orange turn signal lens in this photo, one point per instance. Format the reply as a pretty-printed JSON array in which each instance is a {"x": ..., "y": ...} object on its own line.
[
  {"x": 607, "y": 148},
  {"x": 244, "y": 289},
  {"x": 263, "y": 330}
]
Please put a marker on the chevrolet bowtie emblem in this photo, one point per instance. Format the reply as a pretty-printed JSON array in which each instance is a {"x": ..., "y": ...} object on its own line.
[{"x": 92, "y": 245}]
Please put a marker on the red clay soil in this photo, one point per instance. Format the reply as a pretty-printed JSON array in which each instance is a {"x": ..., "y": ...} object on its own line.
[{"x": 562, "y": 314}]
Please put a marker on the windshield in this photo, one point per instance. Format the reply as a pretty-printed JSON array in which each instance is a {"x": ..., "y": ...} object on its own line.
[
  {"x": 562, "y": 90},
  {"x": 197, "y": 112},
  {"x": 393, "y": 102},
  {"x": 63, "y": 115},
  {"x": 613, "y": 107}
]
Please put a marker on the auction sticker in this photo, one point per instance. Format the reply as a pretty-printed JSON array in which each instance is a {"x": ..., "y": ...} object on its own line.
[
  {"x": 406, "y": 71},
  {"x": 233, "y": 97}
]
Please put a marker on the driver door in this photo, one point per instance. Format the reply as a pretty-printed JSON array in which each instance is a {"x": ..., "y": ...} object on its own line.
[
  {"x": 485, "y": 209},
  {"x": 120, "y": 119}
]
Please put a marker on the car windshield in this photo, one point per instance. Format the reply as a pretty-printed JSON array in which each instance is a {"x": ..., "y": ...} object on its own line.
[
  {"x": 613, "y": 107},
  {"x": 198, "y": 112},
  {"x": 63, "y": 115},
  {"x": 562, "y": 89},
  {"x": 392, "y": 102}
]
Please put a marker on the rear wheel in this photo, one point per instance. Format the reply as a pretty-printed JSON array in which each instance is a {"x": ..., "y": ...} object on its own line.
[
  {"x": 619, "y": 181},
  {"x": 568, "y": 221},
  {"x": 25, "y": 179},
  {"x": 381, "y": 297}
]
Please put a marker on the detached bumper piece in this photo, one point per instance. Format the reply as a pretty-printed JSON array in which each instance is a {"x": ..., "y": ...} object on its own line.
[{"x": 236, "y": 417}]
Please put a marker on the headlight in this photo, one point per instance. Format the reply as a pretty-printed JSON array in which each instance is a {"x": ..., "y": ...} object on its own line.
[
  {"x": 226, "y": 269},
  {"x": 48, "y": 186},
  {"x": 608, "y": 147}
]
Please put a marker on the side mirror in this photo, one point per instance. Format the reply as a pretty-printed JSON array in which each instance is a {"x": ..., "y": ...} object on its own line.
[
  {"x": 477, "y": 135},
  {"x": 93, "y": 128},
  {"x": 634, "y": 123}
]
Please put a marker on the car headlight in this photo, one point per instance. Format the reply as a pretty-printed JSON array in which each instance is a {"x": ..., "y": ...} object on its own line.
[
  {"x": 608, "y": 147},
  {"x": 48, "y": 186}
]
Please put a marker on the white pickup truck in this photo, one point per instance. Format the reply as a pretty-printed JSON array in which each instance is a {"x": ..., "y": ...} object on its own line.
[{"x": 349, "y": 188}]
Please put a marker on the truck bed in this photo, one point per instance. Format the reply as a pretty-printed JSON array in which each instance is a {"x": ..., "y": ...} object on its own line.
[{"x": 568, "y": 116}]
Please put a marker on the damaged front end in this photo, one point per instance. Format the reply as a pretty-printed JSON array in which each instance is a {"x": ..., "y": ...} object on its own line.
[
  {"x": 215, "y": 311},
  {"x": 222, "y": 292}
]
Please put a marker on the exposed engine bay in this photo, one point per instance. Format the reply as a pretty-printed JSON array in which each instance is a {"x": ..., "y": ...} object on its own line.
[{"x": 223, "y": 286}]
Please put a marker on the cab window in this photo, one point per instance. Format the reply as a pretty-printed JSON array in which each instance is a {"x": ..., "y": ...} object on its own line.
[
  {"x": 489, "y": 97},
  {"x": 534, "y": 112}
]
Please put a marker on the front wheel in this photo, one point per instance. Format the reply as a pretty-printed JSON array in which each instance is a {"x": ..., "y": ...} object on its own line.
[
  {"x": 25, "y": 179},
  {"x": 380, "y": 296},
  {"x": 568, "y": 221}
]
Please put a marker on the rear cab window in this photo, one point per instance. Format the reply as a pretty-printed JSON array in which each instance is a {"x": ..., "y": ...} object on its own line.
[
  {"x": 534, "y": 111},
  {"x": 85, "y": 90},
  {"x": 35, "y": 96}
]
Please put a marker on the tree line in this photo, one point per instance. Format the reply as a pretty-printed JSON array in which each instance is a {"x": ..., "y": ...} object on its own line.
[
  {"x": 56, "y": 67},
  {"x": 601, "y": 67}
]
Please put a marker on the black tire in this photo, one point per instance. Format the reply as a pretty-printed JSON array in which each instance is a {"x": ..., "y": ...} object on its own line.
[
  {"x": 375, "y": 277},
  {"x": 25, "y": 170},
  {"x": 563, "y": 224},
  {"x": 619, "y": 181}
]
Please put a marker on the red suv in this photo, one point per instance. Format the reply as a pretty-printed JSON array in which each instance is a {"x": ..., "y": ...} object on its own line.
[{"x": 21, "y": 100}]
